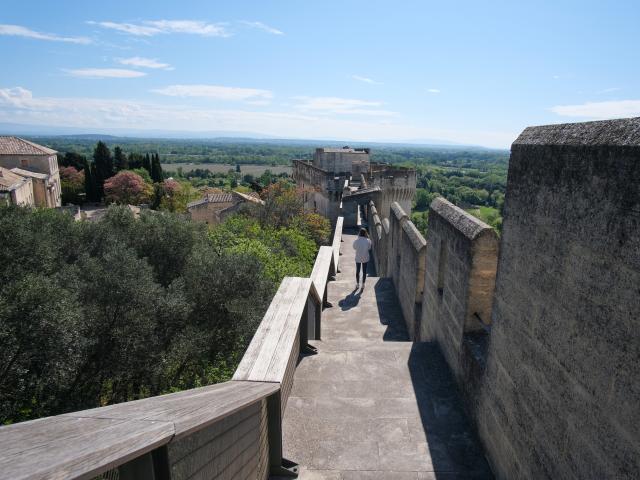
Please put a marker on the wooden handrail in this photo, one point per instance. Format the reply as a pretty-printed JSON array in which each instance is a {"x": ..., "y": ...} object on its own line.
[
  {"x": 337, "y": 239},
  {"x": 87, "y": 443},
  {"x": 323, "y": 269}
]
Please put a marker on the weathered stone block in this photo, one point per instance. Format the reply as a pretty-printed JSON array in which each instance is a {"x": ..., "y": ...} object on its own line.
[{"x": 564, "y": 328}]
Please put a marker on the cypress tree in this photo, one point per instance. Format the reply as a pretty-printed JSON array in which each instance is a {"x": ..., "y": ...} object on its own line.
[
  {"x": 103, "y": 167},
  {"x": 135, "y": 160},
  {"x": 89, "y": 181},
  {"x": 146, "y": 163},
  {"x": 120, "y": 159},
  {"x": 156, "y": 169}
]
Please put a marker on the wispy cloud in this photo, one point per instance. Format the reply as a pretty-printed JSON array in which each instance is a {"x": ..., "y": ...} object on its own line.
[
  {"x": 341, "y": 106},
  {"x": 104, "y": 73},
  {"x": 433, "y": 90},
  {"x": 20, "y": 31},
  {"x": 263, "y": 27},
  {"x": 126, "y": 113},
  {"x": 608, "y": 90},
  {"x": 370, "y": 81},
  {"x": 142, "y": 62},
  {"x": 600, "y": 110},
  {"x": 149, "y": 28},
  {"x": 216, "y": 92}
]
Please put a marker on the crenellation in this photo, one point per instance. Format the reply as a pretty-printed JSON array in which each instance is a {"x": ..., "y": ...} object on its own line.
[{"x": 539, "y": 326}]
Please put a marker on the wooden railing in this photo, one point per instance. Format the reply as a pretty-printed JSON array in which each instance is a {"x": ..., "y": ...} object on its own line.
[{"x": 228, "y": 430}]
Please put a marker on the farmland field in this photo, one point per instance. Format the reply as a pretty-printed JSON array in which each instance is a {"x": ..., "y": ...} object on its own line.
[{"x": 255, "y": 170}]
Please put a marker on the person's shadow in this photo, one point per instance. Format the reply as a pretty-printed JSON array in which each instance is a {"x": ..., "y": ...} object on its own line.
[{"x": 350, "y": 300}]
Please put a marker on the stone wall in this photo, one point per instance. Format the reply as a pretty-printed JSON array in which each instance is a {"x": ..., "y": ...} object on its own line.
[
  {"x": 399, "y": 252},
  {"x": 549, "y": 364},
  {"x": 458, "y": 289},
  {"x": 341, "y": 161},
  {"x": 321, "y": 190},
  {"x": 561, "y": 393}
]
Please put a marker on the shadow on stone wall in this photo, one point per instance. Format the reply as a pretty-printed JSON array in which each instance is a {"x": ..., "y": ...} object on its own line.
[
  {"x": 445, "y": 426},
  {"x": 389, "y": 311}
]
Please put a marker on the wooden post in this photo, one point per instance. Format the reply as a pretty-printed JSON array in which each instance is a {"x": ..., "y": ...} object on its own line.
[{"x": 278, "y": 465}]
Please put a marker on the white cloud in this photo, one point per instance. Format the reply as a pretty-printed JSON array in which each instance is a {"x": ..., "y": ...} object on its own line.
[
  {"x": 215, "y": 91},
  {"x": 19, "y": 31},
  {"x": 144, "y": 63},
  {"x": 365, "y": 80},
  {"x": 600, "y": 110},
  {"x": 263, "y": 27},
  {"x": 105, "y": 73},
  {"x": 433, "y": 90},
  {"x": 609, "y": 90},
  {"x": 19, "y": 105},
  {"x": 341, "y": 106},
  {"x": 149, "y": 28}
]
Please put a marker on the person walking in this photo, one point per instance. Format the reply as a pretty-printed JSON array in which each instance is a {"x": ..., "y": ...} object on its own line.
[{"x": 362, "y": 245}]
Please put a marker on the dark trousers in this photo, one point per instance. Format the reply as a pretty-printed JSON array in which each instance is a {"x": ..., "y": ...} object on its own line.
[{"x": 364, "y": 271}]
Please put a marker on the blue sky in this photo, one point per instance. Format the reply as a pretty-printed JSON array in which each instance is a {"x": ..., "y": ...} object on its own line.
[{"x": 462, "y": 71}]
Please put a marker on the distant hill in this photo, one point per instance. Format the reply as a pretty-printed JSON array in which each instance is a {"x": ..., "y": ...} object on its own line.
[{"x": 238, "y": 137}]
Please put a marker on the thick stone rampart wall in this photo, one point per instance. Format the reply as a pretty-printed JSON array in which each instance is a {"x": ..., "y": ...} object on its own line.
[
  {"x": 458, "y": 289},
  {"x": 399, "y": 252},
  {"x": 561, "y": 393},
  {"x": 546, "y": 351}
]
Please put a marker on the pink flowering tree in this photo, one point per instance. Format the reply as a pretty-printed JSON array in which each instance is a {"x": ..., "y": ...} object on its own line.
[{"x": 127, "y": 188}]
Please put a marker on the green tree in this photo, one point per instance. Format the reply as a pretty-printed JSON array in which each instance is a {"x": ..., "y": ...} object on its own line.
[
  {"x": 90, "y": 187},
  {"x": 423, "y": 199},
  {"x": 146, "y": 163},
  {"x": 103, "y": 166},
  {"x": 156, "y": 169},
  {"x": 72, "y": 182},
  {"x": 72, "y": 159},
  {"x": 120, "y": 159},
  {"x": 135, "y": 160}
]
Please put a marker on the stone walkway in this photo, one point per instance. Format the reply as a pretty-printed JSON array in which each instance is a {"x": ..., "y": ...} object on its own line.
[{"x": 372, "y": 405}]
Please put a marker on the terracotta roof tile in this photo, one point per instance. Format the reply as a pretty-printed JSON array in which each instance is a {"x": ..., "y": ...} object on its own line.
[
  {"x": 19, "y": 146},
  {"x": 9, "y": 180}
]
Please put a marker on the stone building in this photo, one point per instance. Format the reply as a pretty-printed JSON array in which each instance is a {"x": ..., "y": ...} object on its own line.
[
  {"x": 339, "y": 180},
  {"x": 213, "y": 208},
  {"x": 15, "y": 189},
  {"x": 40, "y": 164},
  {"x": 342, "y": 160}
]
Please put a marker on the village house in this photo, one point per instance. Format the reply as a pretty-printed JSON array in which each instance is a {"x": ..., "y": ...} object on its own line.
[
  {"x": 36, "y": 163},
  {"x": 15, "y": 189},
  {"x": 213, "y": 208}
]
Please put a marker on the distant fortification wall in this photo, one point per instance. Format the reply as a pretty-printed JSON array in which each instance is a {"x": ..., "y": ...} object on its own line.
[{"x": 549, "y": 360}]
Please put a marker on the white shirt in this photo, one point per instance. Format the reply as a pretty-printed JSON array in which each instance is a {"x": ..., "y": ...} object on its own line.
[{"x": 362, "y": 245}]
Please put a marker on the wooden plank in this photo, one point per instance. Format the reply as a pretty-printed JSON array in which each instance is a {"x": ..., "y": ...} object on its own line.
[
  {"x": 321, "y": 269},
  {"x": 280, "y": 323},
  {"x": 190, "y": 410},
  {"x": 337, "y": 239},
  {"x": 76, "y": 447},
  {"x": 255, "y": 362},
  {"x": 280, "y": 358}
]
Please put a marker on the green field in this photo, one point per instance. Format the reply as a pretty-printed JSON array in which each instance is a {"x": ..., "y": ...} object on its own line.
[{"x": 255, "y": 170}]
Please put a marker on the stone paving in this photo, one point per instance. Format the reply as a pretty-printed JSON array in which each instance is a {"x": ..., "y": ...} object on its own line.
[{"x": 371, "y": 404}]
